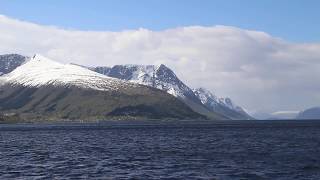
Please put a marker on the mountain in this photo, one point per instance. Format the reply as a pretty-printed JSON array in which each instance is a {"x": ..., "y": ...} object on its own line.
[
  {"x": 311, "y": 113},
  {"x": 44, "y": 89},
  {"x": 9, "y": 62},
  {"x": 162, "y": 77},
  {"x": 221, "y": 105}
]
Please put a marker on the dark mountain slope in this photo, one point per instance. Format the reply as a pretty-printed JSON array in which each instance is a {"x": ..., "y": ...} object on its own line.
[{"x": 76, "y": 103}]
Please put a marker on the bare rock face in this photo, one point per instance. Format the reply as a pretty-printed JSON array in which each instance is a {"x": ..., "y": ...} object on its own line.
[{"x": 9, "y": 62}]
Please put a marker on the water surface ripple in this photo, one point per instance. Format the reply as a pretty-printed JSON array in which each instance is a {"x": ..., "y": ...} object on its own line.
[{"x": 217, "y": 151}]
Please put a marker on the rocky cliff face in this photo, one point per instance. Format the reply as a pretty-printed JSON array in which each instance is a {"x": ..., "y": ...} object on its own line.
[
  {"x": 9, "y": 62},
  {"x": 160, "y": 77}
]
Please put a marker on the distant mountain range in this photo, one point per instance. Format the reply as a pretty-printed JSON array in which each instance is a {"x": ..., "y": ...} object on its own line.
[
  {"x": 311, "y": 113},
  {"x": 37, "y": 86},
  {"x": 307, "y": 114}
]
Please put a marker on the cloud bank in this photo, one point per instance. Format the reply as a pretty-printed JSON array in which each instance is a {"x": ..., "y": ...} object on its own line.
[{"x": 260, "y": 72}]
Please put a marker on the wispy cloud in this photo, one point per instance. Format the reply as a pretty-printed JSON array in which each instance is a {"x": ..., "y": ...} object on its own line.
[
  {"x": 285, "y": 112},
  {"x": 258, "y": 71}
]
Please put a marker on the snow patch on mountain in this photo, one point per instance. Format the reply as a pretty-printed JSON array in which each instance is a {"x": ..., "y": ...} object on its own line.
[
  {"x": 41, "y": 71},
  {"x": 212, "y": 101},
  {"x": 205, "y": 96},
  {"x": 163, "y": 78},
  {"x": 157, "y": 76},
  {"x": 144, "y": 74}
]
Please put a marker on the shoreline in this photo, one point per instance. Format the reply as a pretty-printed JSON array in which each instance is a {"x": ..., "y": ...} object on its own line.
[{"x": 159, "y": 124}]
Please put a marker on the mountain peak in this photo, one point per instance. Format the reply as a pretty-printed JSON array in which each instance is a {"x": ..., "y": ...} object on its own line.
[
  {"x": 157, "y": 76},
  {"x": 161, "y": 66},
  {"x": 42, "y": 59},
  {"x": 42, "y": 71},
  {"x": 37, "y": 57}
]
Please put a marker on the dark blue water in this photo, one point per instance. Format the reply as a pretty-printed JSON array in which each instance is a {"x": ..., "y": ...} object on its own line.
[{"x": 226, "y": 150}]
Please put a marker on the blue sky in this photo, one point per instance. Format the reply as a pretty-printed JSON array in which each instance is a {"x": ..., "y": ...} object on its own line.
[{"x": 293, "y": 20}]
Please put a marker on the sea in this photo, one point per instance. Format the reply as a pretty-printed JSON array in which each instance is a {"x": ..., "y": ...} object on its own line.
[{"x": 161, "y": 150}]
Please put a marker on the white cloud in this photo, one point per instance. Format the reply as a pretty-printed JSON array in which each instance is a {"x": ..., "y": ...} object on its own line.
[
  {"x": 285, "y": 112},
  {"x": 258, "y": 71}
]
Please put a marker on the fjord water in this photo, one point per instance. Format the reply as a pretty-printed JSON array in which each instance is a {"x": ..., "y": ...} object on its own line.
[{"x": 221, "y": 150}]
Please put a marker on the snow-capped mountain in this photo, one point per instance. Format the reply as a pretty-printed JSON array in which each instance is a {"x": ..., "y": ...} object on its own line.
[
  {"x": 44, "y": 89},
  {"x": 9, "y": 62},
  {"x": 41, "y": 71},
  {"x": 221, "y": 105},
  {"x": 213, "y": 101},
  {"x": 162, "y": 77}
]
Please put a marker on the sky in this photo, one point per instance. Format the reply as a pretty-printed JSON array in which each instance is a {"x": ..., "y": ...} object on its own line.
[
  {"x": 293, "y": 20},
  {"x": 264, "y": 54}
]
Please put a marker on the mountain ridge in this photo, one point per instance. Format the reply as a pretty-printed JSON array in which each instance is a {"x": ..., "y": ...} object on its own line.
[
  {"x": 155, "y": 76},
  {"x": 162, "y": 77},
  {"x": 221, "y": 105},
  {"x": 44, "y": 89}
]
